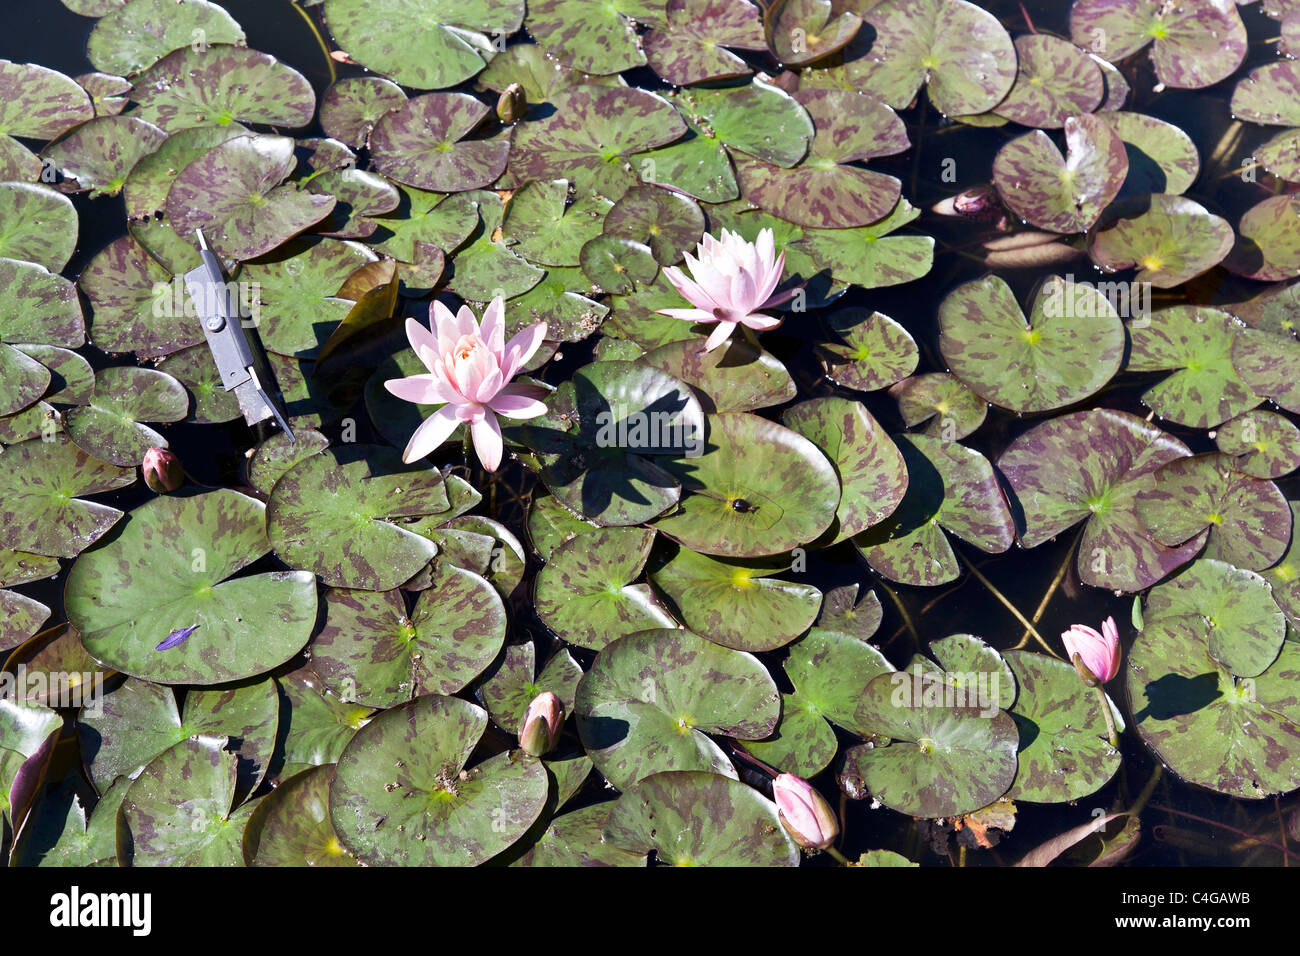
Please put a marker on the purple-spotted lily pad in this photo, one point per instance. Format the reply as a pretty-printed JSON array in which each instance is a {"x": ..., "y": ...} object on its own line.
[
  {"x": 757, "y": 119},
  {"x": 872, "y": 473},
  {"x": 17, "y": 162},
  {"x": 824, "y": 191},
  {"x": 575, "y": 839},
  {"x": 1263, "y": 444},
  {"x": 968, "y": 665},
  {"x": 594, "y": 36},
  {"x": 650, "y": 699},
  {"x": 422, "y": 143},
  {"x": 1064, "y": 754},
  {"x": 591, "y": 134},
  {"x": 1248, "y": 519},
  {"x": 1205, "y": 390},
  {"x": 234, "y": 193},
  {"x": 402, "y": 796},
  {"x": 1268, "y": 95},
  {"x": 672, "y": 814},
  {"x": 425, "y": 222},
  {"x": 840, "y": 613},
  {"x": 219, "y": 85},
  {"x": 20, "y": 618},
  {"x": 1093, "y": 465},
  {"x": 1269, "y": 364},
  {"x": 34, "y": 421},
  {"x": 872, "y": 352},
  {"x": 830, "y": 671},
  {"x": 1161, "y": 157},
  {"x": 342, "y": 513},
  {"x": 1268, "y": 248},
  {"x": 952, "y": 410},
  {"x": 943, "y": 759},
  {"x": 539, "y": 76},
  {"x": 544, "y": 231},
  {"x": 1284, "y": 576},
  {"x": 151, "y": 178},
  {"x": 737, "y": 378},
  {"x": 43, "y": 307},
  {"x": 23, "y": 380},
  {"x": 22, "y": 567},
  {"x": 802, "y": 743},
  {"x": 109, "y": 426},
  {"x": 319, "y": 724},
  {"x": 669, "y": 223},
  {"x": 61, "y": 672},
  {"x": 757, "y": 490},
  {"x": 486, "y": 267},
  {"x": 169, "y": 569},
  {"x": 350, "y": 108},
  {"x": 1062, "y": 193},
  {"x": 370, "y": 651},
  {"x": 72, "y": 380},
  {"x": 692, "y": 47},
  {"x": 276, "y": 455},
  {"x": 561, "y": 301},
  {"x": 550, "y": 524},
  {"x": 24, "y": 728},
  {"x": 328, "y": 168},
  {"x": 106, "y": 92},
  {"x": 291, "y": 826},
  {"x": 950, "y": 487},
  {"x": 100, "y": 155},
  {"x": 585, "y": 593},
  {"x": 39, "y": 510},
  {"x": 1196, "y": 44},
  {"x": 59, "y": 833},
  {"x": 1067, "y": 350},
  {"x": 616, "y": 265},
  {"x": 37, "y": 225},
  {"x": 805, "y": 31},
  {"x": 869, "y": 256},
  {"x": 1168, "y": 239},
  {"x": 732, "y": 603},
  {"x": 135, "y": 306},
  {"x": 142, "y": 32},
  {"x": 194, "y": 368},
  {"x": 516, "y": 682},
  {"x": 39, "y": 103},
  {"x": 1055, "y": 80},
  {"x": 182, "y": 809}
]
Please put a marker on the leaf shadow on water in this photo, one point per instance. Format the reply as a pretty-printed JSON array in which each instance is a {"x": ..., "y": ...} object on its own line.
[{"x": 924, "y": 497}]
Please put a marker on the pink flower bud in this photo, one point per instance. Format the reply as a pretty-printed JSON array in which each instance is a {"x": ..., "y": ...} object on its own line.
[
  {"x": 539, "y": 731},
  {"x": 162, "y": 470},
  {"x": 804, "y": 812},
  {"x": 1095, "y": 656}
]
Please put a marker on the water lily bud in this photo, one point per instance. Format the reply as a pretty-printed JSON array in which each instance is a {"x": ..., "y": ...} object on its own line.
[
  {"x": 1096, "y": 657},
  {"x": 512, "y": 103},
  {"x": 804, "y": 812},
  {"x": 539, "y": 731},
  {"x": 162, "y": 470}
]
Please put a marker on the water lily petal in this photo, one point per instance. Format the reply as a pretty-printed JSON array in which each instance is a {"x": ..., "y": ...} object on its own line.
[
  {"x": 521, "y": 348},
  {"x": 719, "y": 335},
  {"x": 435, "y": 430},
  {"x": 519, "y": 401},
  {"x": 421, "y": 389},
  {"x": 487, "y": 441}
]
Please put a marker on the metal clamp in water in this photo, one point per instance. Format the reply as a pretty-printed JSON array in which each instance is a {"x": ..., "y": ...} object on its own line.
[{"x": 239, "y": 361}]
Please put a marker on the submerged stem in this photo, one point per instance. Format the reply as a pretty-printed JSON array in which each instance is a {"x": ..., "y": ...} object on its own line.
[
  {"x": 320, "y": 40},
  {"x": 1051, "y": 590},
  {"x": 1007, "y": 604}
]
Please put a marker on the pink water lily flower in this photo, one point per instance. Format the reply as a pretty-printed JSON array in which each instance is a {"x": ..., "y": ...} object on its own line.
[
  {"x": 731, "y": 280},
  {"x": 470, "y": 367},
  {"x": 804, "y": 812},
  {"x": 1100, "y": 654}
]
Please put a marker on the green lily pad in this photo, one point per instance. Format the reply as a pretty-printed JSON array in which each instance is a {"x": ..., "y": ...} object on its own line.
[
  {"x": 140, "y": 33},
  {"x": 486, "y": 267},
  {"x": 543, "y": 230},
  {"x": 107, "y": 92},
  {"x": 672, "y": 813},
  {"x": 692, "y": 47},
  {"x": 350, "y": 107},
  {"x": 550, "y": 524},
  {"x": 23, "y": 567},
  {"x": 167, "y": 570},
  {"x": 67, "y": 673},
  {"x": 23, "y": 380},
  {"x": 1205, "y": 390},
  {"x": 734, "y": 604},
  {"x": 871, "y": 470},
  {"x": 181, "y": 810},
  {"x": 17, "y": 162},
  {"x": 805, "y": 31},
  {"x": 697, "y": 165},
  {"x": 1248, "y": 519},
  {"x": 291, "y": 826},
  {"x": 1196, "y": 45},
  {"x": 426, "y": 220},
  {"x": 869, "y": 256},
  {"x": 574, "y": 839},
  {"x": 1267, "y": 248},
  {"x": 328, "y": 168},
  {"x": 35, "y": 421},
  {"x": 59, "y": 833},
  {"x": 39, "y": 510},
  {"x": 1161, "y": 157},
  {"x": 570, "y": 316},
  {"x": 22, "y": 617},
  {"x": 969, "y": 665},
  {"x": 1064, "y": 754},
  {"x": 950, "y": 487},
  {"x": 1093, "y": 465},
  {"x": 942, "y": 760},
  {"x": 802, "y": 743},
  {"x": 400, "y": 796},
  {"x": 1264, "y": 444},
  {"x": 1267, "y": 95},
  {"x": 952, "y": 410},
  {"x": 1168, "y": 239},
  {"x": 100, "y": 155},
  {"x": 584, "y": 592},
  {"x": 133, "y": 303},
  {"x": 275, "y": 456},
  {"x": 219, "y": 85},
  {"x": 1054, "y": 81},
  {"x": 669, "y": 223},
  {"x": 194, "y": 368},
  {"x": 371, "y": 652},
  {"x": 44, "y": 307},
  {"x": 1284, "y": 576},
  {"x": 650, "y": 699},
  {"x": 830, "y": 671},
  {"x": 1062, "y": 193},
  {"x": 514, "y": 685},
  {"x": 593, "y": 36},
  {"x": 234, "y": 193},
  {"x": 840, "y": 613},
  {"x": 109, "y": 425},
  {"x": 1068, "y": 349},
  {"x": 870, "y": 351},
  {"x": 39, "y": 103},
  {"x": 37, "y": 225},
  {"x": 616, "y": 265},
  {"x": 151, "y": 178},
  {"x": 737, "y": 378},
  {"x": 1268, "y": 364},
  {"x": 24, "y": 728},
  {"x": 72, "y": 380},
  {"x": 759, "y": 489},
  {"x": 341, "y": 515},
  {"x": 422, "y": 143},
  {"x": 315, "y": 725}
]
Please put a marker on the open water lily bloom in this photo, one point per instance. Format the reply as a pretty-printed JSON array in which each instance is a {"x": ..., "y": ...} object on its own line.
[
  {"x": 470, "y": 370},
  {"x": 731, "y": 281}
]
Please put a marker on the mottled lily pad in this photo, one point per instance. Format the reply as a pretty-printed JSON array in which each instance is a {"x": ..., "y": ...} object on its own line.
[
  {"x": 1168, "y": 239},
  {"x": 550, "y": 524},
  {"x": 400, "y": 795},
  {"x": 422, "y": 143},
  {"x": 805, "y": 31},
  {"x": 37, "y": 225},
  {"x": 952, "y": 410},
  {"x": 23, "y": 380},
  {"x": 487, "y": 267},
  {"x": 1267, "y": 247},
  {"x": 514, "y": 685},
  {"x": 194, "y": 368},
  {"x": 291, "y": 826},
  {"x": 1161, "y": 157},
  {"x": 830, "y": 671},
  {"x": 803, "y": 743},
  {"x": 350, "y": 108},
  {"x": 39, "y": 103},
  {"x": 594, "y": 36},
  {"x": 616, "y": 265},
  {"x": 72, "y": 380},
  {"x": 100, "y": 155},
  {"x": 1054, "y": 81},
  {"x": 60, "y": 832},
  {"x": 692, "y": 47},
  {"x": 574, "y": 839},
  {"x": 134, "y": 303},
  {"x": 543, "y": 230},
  {"x": 315, "y": 725},
  {"x": 737, "y": 378},
  {"x": 870, "y": 351},
  {"x": 110, "y": 425},
  {"x": 869, "y": 256},
  {"x": 151, "y": 178},
  {"x": 669, "y": 223},
  {"x": 44, "y": 308},
  {"x": 20, "y": 618},
  {"x": 539, "y": 75},
  {"x": 1263, "y": 444},
  {"x": 140, "y": 33}
]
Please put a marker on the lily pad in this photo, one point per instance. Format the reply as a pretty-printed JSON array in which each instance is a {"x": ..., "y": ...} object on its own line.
[
  {"x": 550, "y": 524},
  {"x": 486, "y": 267},
  {"x": 574, "y": 839},
  {"x": 1268, "y": 364},
  {"x": 72, "y": 380},
  {"x": 107, "y": 92},
  {"x": 278, "y": 454},
  {"x": 37, "y": 225},
  {"x": 23, "y": 380},
  {"x": 168, "y": 570},
  {"x": 59, "y": 832},
  {"x": 584, "y": 592},
  {"x": 737, "y": 378},
  {"x": 570, "y": 316},
  {"x": 194, "y": 368},
  {"x": 1161, "y": 157},
  {"x": 44, "y": 307},
  {"x": 140, "y": 33},
  {"x": 1168, "y": 239},
  {"x": 616, "y": 265},
  {"x": 151, "y": 178},
  {"x": 800, "y": 32},
  {"x": 422, "y": 143},
  {"x": 669, "y": 223},
  {"x": 671, "y": 813},
  {"x": 400, "y": 795},
  {"x": 100, "y": 155},
  {"x": 872, "y": 352},
  {"x": 39, "y": 103},
  {"x": 650, "y": 699},
  {"x": 1093, "y": 465},
  {"x": 1068, "y": 349},
  {"x": 109, "y": 425},
  {"x": 593, "y": 36},
  {"x": 1054, "y": 81},
  {"x": 1267, "y": 248},
  {"x": 830, "y": 671},
  {"x": 1062, "y": 193},
  {"x": 315, "y": 725},
  {"x": 1263, "y": 444},
  {"x": 802, "y": 743},
  {"x": 514, "y": 685},
  {"x": 869, "y": 256},
  {"x": 543, "y": 230},
  {"x": 692, "y": 47},
  {"x": 133, "y": 303},
  {"x": 291, "y": 826},
  {"x": 840, "y": 613},
  {"x": 952, "y": 410},
  {"x": 350, "y": 107},
  {"x": 22, "y": 617}
]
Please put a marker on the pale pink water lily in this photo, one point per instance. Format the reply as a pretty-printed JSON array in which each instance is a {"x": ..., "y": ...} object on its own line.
[
  {"x": 804, "y": 812},
  {"x": 470, "y": 367},
  {"x": 731, "y": 280},
  {"x": 1100, "y": 654}
]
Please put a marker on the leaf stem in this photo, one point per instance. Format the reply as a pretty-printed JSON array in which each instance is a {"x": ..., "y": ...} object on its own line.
[{"x": 1005, "y": 602}]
